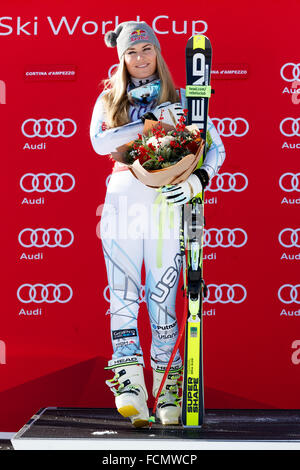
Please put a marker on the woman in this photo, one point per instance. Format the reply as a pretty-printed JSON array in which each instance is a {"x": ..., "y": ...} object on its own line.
[{"x": 142, "y": 88}]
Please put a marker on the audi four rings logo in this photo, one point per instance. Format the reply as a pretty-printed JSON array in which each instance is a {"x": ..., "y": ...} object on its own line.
[
  {"x": 288, "y": 294},
  {"x": 228, "y": 127},
  {"x": 52, "y": 182},
  {"x": 291, "y": 237},
  {"x": 49, "y": 293},
  {"x": 289, "y": 182},
  {"x": 290, "y": 72},
  {"x": 225, "y": 237},
  {"x": 226, "y": 182},
  {"x": 49, "y": 128},
  {"x": 223, "y": 293},
  {"x": 41, "y": 237},
  {"x": 290, "y": 127}
]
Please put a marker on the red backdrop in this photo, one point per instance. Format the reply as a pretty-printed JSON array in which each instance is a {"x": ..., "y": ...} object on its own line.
[{"x": 54, "y": 342}]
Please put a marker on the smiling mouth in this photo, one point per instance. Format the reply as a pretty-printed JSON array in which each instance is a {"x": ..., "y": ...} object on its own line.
[{"x": 142, "y": 66}]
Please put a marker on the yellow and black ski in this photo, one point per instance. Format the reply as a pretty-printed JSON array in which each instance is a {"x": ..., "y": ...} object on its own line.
[{"x": 198, "y": 92}]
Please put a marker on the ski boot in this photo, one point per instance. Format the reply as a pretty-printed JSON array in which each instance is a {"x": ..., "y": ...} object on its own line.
[
  {"x": 168, "y": 408},
  {"x": 131, "y": 395}
]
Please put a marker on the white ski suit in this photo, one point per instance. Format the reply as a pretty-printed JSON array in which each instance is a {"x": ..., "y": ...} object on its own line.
[{"x": 135, "y": 227}]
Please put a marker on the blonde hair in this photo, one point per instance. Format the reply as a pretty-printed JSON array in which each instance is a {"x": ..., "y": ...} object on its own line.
[{"x": 116, "y": 101}]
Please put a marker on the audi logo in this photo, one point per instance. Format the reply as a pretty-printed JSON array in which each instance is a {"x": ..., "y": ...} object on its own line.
[
  {"x": 49, "y": 293},
  {"x": 237, "y": 127},
  {"x": 288, "y": 294},
  {"x": 290, "y": 72},
  {"x": 228, "y": 182},
  {"x": 293, "y": 182},
  {"x": 48, "y": 128},
  {"x": 214, "y": 237},
  {"x": 42, "y": 182},
  {"x": 41, "y": 237},
  {"x": 293, "y": 128},
  {"x": 223, "y": 293},
  {"x": 292, "y": 237}
]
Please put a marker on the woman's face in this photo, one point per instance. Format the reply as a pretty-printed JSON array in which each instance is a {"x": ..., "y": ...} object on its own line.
[{"x": 140, "y": 60}]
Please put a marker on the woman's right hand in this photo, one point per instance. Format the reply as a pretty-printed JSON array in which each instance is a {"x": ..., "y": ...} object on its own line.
[{"x": 169, "y": 112}]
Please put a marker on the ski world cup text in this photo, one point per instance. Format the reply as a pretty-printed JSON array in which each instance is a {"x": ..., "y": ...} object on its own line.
[{"x": 73, "y": 26}]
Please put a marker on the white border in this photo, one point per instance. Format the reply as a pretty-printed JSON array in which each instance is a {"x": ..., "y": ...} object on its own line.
[{"x": 146, "y": 444}]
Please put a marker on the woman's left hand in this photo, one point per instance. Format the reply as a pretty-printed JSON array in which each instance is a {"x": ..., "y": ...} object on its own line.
[{"x": 182, "y": 193}]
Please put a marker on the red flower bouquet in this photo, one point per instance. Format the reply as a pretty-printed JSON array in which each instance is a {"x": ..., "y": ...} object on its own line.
[{"x": 163, "y": 154}]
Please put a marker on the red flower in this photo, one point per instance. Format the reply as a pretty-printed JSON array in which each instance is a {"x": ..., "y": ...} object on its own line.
[
  {"x": 160, "y": 158},
  {"x": 174, "y": 144},
  {"x": 193, "y": 147},
  {"x": 180, "y": 126},
  {"x": 158, "y": 131},
  {"x": 143, "y": 155},
  {"x": 142, "y": 151},
  {"x": 151, "y": 147},
  {"x": 161, "y": 115}
]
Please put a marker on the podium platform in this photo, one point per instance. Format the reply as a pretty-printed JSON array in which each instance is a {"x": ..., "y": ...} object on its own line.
[{"x": 104, "y": 429}]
